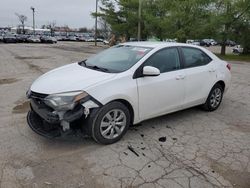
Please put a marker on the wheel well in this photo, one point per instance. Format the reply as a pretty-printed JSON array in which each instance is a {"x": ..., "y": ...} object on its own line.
[
  {"x": 130, "y": 108},
  {"x": 222, "y": 84}
]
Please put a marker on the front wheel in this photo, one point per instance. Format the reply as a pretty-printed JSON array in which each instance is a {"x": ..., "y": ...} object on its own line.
[
  {"x": 214, "y": 98},
  {"x": 110, "y": 123}
]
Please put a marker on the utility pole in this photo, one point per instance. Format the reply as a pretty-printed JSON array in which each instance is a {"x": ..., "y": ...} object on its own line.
[
  {"x": 96, "y": 7},
  {"x": 33, "y": 10},
  {"x": 139, "y": 20}
]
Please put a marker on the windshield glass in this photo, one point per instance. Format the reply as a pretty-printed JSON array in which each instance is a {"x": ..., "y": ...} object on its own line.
[{"x": 117, "y": 59}]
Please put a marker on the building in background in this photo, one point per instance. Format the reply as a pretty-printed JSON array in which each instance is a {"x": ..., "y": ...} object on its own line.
[{"x": 29, "y": 30}]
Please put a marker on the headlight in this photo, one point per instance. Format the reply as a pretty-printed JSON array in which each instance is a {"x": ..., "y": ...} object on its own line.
[{"x": 65, "y": 101}]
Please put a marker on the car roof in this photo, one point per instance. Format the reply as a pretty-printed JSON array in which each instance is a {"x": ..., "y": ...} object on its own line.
[{"x": 158, "y": 44}]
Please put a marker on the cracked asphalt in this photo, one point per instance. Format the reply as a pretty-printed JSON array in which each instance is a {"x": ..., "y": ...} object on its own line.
[{"x": 191, "y": 148}]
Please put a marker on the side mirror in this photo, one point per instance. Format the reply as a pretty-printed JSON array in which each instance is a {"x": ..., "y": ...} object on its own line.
[{"x": 151, "y": 71}]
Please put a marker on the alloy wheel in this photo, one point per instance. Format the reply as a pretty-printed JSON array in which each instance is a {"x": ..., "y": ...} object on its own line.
[
  {"x": 113, "y": 124},
  {"x": 215, "y": 98}
]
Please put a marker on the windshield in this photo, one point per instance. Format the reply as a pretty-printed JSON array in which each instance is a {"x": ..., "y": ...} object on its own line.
[{"x": 117, "y": 59}]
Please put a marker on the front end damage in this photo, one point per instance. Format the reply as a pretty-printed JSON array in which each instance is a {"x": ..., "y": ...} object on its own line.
[{"x": 51, "y": 123}]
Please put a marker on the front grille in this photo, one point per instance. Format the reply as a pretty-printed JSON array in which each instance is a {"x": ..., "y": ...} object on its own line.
[
  {"x": 37, "y": 95},
  {"x": 38, "y": 98},
  {"x": 39, "y": 103}
]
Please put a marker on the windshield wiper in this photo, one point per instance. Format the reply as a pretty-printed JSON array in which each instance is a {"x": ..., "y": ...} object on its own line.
[
  {"x": 83, "y": 63},
  {"x": 94, "y": 67},
  {"x": 97, "y": 68}
]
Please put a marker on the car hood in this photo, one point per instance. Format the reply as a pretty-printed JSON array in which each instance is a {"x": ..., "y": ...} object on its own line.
[{"x": 72, "y": 77}]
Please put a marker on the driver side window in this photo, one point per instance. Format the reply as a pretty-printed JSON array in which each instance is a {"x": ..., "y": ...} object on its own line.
[{"x": 165, "y": 60}]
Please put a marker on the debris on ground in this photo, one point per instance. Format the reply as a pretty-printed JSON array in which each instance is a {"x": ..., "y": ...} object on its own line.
[
  {"x": 163, "y": 139},
  {"x": 133, "y": 150}
]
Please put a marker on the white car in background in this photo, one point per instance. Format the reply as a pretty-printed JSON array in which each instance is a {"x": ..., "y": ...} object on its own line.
[
  {"x": 125, "y": 85},
  {"x": 237, "y": 49},
  {"x": 34, "y": 39},
  {"x": 213, "y": 42},
  {"x": 193, "y": 42}
]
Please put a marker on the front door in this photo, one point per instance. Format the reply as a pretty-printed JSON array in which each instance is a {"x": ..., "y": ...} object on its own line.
[{"x": 164, "y": 93}]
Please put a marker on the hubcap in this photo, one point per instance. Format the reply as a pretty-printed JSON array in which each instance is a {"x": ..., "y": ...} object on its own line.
[
  {"x": 215, "y": 98},
  {"x": 113, "y": 123}
]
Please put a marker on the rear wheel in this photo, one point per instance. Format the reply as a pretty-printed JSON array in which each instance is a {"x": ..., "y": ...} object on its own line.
[
  {"x": 214, "y": 98},
  {"x": 110, "y": 123}
]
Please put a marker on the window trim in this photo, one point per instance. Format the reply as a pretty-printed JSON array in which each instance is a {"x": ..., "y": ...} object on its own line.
[
  {"x": 184, "y": 61},
  {"x": 138, "y": 72}
]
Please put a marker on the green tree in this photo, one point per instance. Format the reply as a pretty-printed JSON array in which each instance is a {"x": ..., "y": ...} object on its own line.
[
  {"x": 181, "y": 19},
  {"x": 160, "y": 18},
  {"x": 122, "y": 16},
  {"x": 188, "y": 19},
  {"x": 228, "y": 15}
]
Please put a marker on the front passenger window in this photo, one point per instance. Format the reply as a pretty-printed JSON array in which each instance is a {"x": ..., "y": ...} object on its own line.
[{"x": 165, "y": 60}]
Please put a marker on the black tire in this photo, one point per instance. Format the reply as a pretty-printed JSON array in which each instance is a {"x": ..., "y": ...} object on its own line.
[
  {"x": 209, "y": 105},
  {"x": 96, "y": 118}
]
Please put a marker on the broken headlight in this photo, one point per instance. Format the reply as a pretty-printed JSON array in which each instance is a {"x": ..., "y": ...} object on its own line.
[{"x": 65, "y": 101}]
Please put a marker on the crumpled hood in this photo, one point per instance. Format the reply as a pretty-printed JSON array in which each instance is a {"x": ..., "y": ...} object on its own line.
[{"x": 72, "y": 77}]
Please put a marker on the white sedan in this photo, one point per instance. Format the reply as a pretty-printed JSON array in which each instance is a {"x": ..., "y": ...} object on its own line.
[{"x": 125, "y": 85}]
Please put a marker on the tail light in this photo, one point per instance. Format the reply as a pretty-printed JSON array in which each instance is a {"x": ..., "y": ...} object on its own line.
[{"x": 229, "y": 67}]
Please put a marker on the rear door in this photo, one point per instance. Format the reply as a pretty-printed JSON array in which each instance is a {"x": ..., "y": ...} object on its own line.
[
  {"x": 200, "y": 75},
  {"x": 164, "y": 93}
]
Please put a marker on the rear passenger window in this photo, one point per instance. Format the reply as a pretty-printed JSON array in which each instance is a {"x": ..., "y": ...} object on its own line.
[{"x": 195, "y": 57}]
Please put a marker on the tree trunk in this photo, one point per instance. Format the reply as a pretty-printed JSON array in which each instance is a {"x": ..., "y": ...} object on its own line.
[
  {"x": 246, "y": 51},
  {"x": 224, "y": 39},
  {"x": 223, "y": 48},
  {"x": 225, "y": 34}
]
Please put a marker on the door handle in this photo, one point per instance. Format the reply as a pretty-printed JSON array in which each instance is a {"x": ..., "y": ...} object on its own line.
[{"x": 180, "y": 77}]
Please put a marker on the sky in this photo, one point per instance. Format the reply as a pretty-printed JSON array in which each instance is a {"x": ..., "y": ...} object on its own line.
[{"x": 74, "y": 13}]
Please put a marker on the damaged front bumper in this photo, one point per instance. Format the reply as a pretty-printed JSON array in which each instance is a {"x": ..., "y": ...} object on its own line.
[{"x": 49, "y": 123}]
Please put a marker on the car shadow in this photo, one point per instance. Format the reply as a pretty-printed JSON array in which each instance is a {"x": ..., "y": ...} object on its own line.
[{"x": 78, "y": 137}]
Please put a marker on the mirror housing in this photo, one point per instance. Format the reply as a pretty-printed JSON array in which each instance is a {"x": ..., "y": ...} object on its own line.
[{"x": 151, "y": 71}]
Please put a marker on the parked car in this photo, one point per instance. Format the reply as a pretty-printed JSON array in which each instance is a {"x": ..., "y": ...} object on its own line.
[
  {"x": 105, "y": 42},
  {"x": 82, "y": 39},
  {"x": 72, "y": 38},
  {"x": 22, "y": 38},
  {"x": 48, "y": 39},
  {"x": 193, "y": 42},
  {"x": 205, "y": 42},
  {"x": 189, "y": 41},
  {"x": 1, "y": 38},
  {"x": 90, "y": 39},
  {"x": 230, "y": 43},
  {"x": 213, "y": 42},
  {"x": 196, "y": 42},
  {"x": 9, "y": 38},
  {"x": 133, "y": 39},
  {"x": 59, "y": 38},
  {"x": 99, "y": 40},
  {"x": 125, "y": 85},
  {"x": 34, "y": 39},
  {"x": 170, "y": 40},
  {"x": 237, "y": 49}
]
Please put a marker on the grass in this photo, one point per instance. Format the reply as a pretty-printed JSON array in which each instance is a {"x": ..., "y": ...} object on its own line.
[{"x": 234, "y": 57}]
